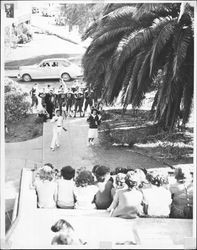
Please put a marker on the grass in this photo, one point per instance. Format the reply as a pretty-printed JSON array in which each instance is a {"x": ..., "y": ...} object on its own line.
[
  {"x": 15, "y": 64},
  {"x": 134, "y": 129},
  {"x": 25, "y": 129}
]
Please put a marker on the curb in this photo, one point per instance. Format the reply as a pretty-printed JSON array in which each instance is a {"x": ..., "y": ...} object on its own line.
[
  {"x": 152, "y": 157},
  {"x": 48, "y": 32}
]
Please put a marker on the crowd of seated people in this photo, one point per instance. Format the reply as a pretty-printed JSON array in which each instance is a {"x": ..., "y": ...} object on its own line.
[{"x": 125, "y": 193}]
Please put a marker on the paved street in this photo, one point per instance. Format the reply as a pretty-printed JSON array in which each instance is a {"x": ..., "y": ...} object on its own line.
[{"x": 41, "y": 45}]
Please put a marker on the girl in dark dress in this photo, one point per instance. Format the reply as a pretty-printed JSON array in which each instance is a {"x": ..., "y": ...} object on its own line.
[{"x": 94, "y": 121}]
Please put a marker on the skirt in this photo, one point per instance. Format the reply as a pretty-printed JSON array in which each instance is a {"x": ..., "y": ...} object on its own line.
[{"x": 93, "y": 133}]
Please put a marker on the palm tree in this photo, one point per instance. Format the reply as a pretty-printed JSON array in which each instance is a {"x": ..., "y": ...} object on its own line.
[{"x": 130, "y": 43}]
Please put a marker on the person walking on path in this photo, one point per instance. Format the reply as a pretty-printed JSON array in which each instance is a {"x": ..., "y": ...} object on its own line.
[
  {"x": 57, "y": 129},
  {"x": 94, "y": 121}
]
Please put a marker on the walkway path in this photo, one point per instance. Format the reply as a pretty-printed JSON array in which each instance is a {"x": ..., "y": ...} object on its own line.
[{"x": 74, "y": 150}]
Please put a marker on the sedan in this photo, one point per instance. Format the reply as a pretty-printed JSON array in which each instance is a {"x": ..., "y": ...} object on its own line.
[{"x": 53, "y": 68}]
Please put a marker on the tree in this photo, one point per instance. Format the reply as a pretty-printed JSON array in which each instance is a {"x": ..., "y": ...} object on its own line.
[
  {"x": 16, "y": 101},
  {"x": 131, "y": 43},
  {"x": 80, "y": 15}
]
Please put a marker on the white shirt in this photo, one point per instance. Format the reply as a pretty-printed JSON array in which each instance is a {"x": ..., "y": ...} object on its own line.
[
  {"x": 58, "y": 120},
  {"x": 85, "y": 196},
  {"x": 47, "y": 191},
  {"x": 158, "y": 200},
  {"x": 65, "y": 192}
]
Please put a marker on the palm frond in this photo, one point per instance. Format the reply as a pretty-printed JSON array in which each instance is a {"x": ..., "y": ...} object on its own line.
[
  {"x": 132, "y": 87},
  {"x": 110, "y": 36},
  {"x": 180, "y": 49},
  {"x": 147, "y": 8},
  {"x": 126, "y": 81},
  {"x": 112, "y": 7},
  {"x": 143, "y": 80},
  {"x": 90, "y": 31},
  {"x": 126, "y": 21},
  {"x": 135, "y": 41},
  {"x": 160, "y": 41}
]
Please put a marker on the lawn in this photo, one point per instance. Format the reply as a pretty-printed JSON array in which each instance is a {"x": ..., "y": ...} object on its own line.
[
  {"x": 136, "y": 130},
  {"x": 25, "y": 129},
  {"x": 15, "y": 64}
]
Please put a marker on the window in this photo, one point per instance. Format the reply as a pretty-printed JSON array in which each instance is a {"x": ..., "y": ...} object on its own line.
[
  {"x": 45, "y": 64},
  {"x": 54, "y": 64},
  {"x": 65, "y": 63}
]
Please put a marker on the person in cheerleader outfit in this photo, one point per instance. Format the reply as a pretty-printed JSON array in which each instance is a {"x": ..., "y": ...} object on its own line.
[{"x": 94, "y": 121}]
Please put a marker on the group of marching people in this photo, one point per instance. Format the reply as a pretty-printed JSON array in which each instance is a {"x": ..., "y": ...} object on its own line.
[{"x": 68, "y": 100}]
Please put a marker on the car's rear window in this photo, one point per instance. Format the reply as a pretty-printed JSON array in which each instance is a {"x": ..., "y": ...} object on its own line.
[{"x": 64, "y": 63}]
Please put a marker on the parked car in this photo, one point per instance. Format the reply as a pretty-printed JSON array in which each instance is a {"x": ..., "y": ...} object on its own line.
[{"x": 52, "y": 68}]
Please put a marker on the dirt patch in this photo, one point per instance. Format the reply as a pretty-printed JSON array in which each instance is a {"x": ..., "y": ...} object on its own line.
[
  {"x": 25, "y": 129},
  {"x": 135, "y": 129}
]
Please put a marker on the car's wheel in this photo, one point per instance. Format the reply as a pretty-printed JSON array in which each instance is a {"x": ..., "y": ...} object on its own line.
[
  {"x": 66, "y": 77},
  {"x": 26, "y": 78}
]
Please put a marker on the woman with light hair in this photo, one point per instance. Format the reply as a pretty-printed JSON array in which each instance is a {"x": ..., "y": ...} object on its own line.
[
  {"x": 157, "y": 198},
  {"x": 182, "y": 195},
  {"x": 127, "y": 203},
  {"x": 46, "y": 187}
]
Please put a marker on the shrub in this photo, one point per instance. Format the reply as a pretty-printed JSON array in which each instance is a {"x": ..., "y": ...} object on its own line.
[
  {"x": 39, "y": 120},
  {"x": 35, "y": 132},
  {"x": 16, "y": 103}
]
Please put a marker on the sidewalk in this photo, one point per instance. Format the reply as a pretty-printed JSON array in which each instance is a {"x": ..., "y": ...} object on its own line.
[{"x": 75, "y": 152}]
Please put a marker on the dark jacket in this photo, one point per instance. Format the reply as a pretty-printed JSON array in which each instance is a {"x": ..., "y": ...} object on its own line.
[{"x": 93, "y": 121}]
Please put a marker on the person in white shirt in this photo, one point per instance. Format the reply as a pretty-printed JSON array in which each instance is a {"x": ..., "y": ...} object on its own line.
[
  {"x": 46, "y": 187},
  {"x": 65, "y": 187},
  {"x": 85, "y": 190},
  {"x": 57, "y": 129},
  {"x": 157, "y": 198}
]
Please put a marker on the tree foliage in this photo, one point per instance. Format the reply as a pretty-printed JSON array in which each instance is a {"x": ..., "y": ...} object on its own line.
[
  {"x": 130, "y": 43},
  {"x": 16, "y": 103},
  {"x": 80, "y": 15}
]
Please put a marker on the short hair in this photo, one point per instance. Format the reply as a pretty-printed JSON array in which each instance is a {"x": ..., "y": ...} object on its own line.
[
  {"x": 46, "y": 175},
  {"x": 132, "y": 179},
  {"x": 84, "y": 178},
  {"x": 182, "y": 174},
  {"x": 62, "y": 239},
  {"x": 156, "y": 178},
  {"x": 120, "y": 179},
  {"x": 101, "y": 172},
  {"x": 68, "y": 172},
  {"x": 59, "y": 225},
  {"x": 94, "y": 169},
  {"x": 49, "y": 164},
  {"x": 121, "y": 170}
]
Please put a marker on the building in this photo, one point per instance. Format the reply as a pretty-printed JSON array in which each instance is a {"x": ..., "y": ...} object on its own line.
[{"x": 15, "y": 14}]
